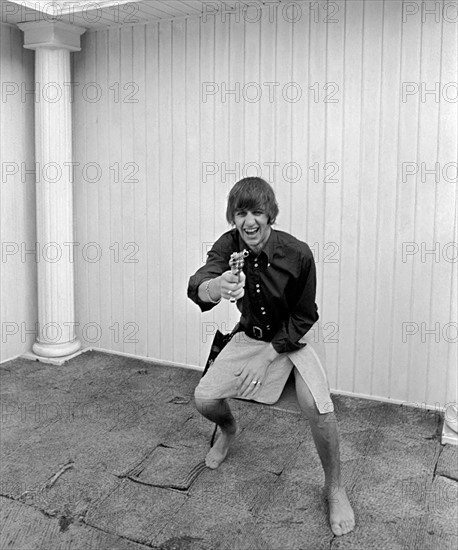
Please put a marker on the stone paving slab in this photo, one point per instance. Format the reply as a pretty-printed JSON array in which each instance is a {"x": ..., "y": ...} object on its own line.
[
  {"x": 26, "y": 528},
  {"x": 136, "y": 512}
]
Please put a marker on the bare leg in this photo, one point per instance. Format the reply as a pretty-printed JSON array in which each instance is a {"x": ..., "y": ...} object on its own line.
[
  {"x": 324, "y": 431},
  {"x": 218, "y": 411}
]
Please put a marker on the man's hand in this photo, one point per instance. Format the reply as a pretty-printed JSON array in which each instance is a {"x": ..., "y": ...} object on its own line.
[
  {"x": 225, "y": 286},
  {"x": 231, "y": 285},
  {"x": 253, "y": 373}
]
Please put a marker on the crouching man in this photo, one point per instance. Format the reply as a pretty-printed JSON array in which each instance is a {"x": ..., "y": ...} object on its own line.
[{"x": 275, "y": 294}]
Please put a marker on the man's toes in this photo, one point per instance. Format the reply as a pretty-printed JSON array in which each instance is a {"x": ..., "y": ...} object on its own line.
[
  {"x": 336, "y": 529},
  {"x": 212, "y": 464},
  {"x": 344, "y": 527},
  {"x": 348, "y": 526},
  {"x": 209, "y": 461},
  {"x": 213, "y": 460}
]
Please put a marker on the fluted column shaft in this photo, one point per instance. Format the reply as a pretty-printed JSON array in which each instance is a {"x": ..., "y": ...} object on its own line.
[{"x": 52, "y": 43}]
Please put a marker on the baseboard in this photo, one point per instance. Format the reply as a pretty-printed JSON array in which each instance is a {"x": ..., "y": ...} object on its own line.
[
  {"x": 10, "y": 359},
  {"x": 161, "y": 362},
  {"x": 426, "y": 406}
]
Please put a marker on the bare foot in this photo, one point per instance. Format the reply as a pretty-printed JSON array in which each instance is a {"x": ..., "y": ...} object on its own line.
[
  {"x": 218, "y": 452},
  {"x": 341, "y": 516}
]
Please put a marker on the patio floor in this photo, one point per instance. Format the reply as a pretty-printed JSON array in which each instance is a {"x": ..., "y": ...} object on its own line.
[{"x": 106, "y": 452}]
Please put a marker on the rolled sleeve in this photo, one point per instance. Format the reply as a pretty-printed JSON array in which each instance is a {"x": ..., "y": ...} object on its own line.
[{"x": 304, "y": 313}]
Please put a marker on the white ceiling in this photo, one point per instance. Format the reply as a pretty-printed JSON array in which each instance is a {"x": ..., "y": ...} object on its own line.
[{"x": 100, "y": 14}]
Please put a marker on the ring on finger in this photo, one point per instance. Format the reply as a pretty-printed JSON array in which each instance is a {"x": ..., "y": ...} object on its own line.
[{"x": 255, "y": 382}]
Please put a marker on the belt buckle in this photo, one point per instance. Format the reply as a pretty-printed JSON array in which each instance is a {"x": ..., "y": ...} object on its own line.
[{"x": 257, "y": 332}]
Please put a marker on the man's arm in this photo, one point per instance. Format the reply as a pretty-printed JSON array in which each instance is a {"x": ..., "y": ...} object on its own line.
[
  {"x": 214, "y": 281},
  {"x": 210, "y": 290},
  {"x": 228, "y": 286},
  {"x": 214, "y": 267}
]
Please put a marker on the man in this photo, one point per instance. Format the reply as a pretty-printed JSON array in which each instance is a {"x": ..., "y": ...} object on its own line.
[{"x": 275, "y": 294}]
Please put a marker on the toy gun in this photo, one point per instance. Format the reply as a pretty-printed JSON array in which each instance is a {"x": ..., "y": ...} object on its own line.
[{"x": 236, "y": 262}]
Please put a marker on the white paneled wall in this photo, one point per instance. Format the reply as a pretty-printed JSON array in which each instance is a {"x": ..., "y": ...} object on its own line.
[
  {"x": 18, "y": 310},
  {"x": 169, "y": 115}
]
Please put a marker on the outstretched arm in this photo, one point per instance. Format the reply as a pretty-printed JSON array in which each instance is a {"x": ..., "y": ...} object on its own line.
[{"x": 215, "y": 276}]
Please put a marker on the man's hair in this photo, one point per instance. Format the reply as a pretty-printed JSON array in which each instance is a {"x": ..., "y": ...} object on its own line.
[{"x": 252, "y": 194}]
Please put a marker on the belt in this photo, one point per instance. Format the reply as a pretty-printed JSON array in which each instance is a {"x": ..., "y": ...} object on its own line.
[{"x": 258, "y": 333}]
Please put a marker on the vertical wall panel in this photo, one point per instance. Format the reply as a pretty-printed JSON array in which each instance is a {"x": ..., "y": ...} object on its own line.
[
  {"x": 152, "y": 184},
  {"x": 92, "y": 254},
  {"x": 221, "y": 164},
  {"x": 116, "y": 138},
  {"x": 137, "y": 331},
  {"x": 385, "y": 245},
  {"x": 283, "y": 111},
  {"x": 332, "y": 184},
  {"x": 194, "y": 254},
  {"x": 180, "y": 189},
  {"x": 350, "y": 172},
  {"x": 168, "y": 301},
  {"x": 318, "y": 93},
  {"x": 131, "y": 237},
  {"x": 299, "y": 125},
  {"x": 425, "y": 198},
  {"x": 402, "y": 363},
  {"x": 368, "y": 192},
  {"x": 103, "y": 189},
  {"x": 444, "y": 304},
  {"x": 81, "y": 156},
  {"x": 18, "y": 279},
  {"x": 196, "y": 129}
]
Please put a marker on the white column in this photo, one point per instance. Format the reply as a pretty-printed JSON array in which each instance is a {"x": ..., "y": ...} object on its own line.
[{"x": 53, "y": 43}]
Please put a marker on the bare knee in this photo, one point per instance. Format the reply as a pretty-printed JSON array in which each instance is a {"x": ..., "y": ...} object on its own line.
[
  {"x": 209, "y": 406},
  {"x": 202, "y": 397},
  {"x": 204, "y": 404},
  {"x": 308, "y": 406}
]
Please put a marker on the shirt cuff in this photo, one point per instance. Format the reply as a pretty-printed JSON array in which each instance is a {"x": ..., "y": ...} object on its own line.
[
  {"x": 193, "y": 292},
  {"x": 282, "y": 344}
]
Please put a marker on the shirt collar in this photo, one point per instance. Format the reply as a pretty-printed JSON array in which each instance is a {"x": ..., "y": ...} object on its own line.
[{"x": 269, "y": 247}]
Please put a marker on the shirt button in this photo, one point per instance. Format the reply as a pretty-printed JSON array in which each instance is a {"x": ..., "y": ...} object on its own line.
[
  {"x": 263, "y": 308},
  {"x": 255, "y": 265},
  {"x": 258, "y": 290},
  {"x": 257, "y": 285},
  {"x": 263, "y": 312}
]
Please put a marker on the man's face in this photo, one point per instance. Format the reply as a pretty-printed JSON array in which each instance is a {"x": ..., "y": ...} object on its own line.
[{"x": 253, "y": 228}]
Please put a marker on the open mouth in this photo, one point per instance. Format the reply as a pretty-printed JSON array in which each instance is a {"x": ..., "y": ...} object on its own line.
[{"x": 251, "y": 232}]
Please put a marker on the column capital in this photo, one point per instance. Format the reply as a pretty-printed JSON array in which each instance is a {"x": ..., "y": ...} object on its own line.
[{"x": 51, "y": 34}]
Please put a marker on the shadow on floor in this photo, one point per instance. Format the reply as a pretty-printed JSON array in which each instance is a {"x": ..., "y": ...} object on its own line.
[{"x": 106, "y": 452}]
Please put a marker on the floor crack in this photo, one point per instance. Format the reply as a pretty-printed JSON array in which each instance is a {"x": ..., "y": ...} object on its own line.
[
  {"x": 441, "y": 448},
  {"x": 450, "y": 478},
  {"x": 43, "y": 511},
  {"x": 188, "y": 419},
  {"x": 124, "y": 537}
]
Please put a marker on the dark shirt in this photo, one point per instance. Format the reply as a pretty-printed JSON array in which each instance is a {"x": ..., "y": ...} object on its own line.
[{"x": 280, "y": 287}]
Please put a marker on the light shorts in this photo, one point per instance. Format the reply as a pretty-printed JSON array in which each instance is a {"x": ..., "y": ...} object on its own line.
[{"x": 220, "y": 381}]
